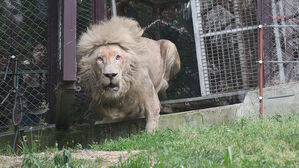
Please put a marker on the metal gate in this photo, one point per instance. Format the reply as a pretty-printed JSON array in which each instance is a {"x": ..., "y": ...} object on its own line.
[{"x": 226, "y": 43}]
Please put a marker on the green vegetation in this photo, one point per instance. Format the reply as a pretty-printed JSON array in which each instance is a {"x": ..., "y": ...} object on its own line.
[
  {"x": 248, "y": 143},
  {"x": 61, "y": 159},
  {"x": 260, "y": 143}
]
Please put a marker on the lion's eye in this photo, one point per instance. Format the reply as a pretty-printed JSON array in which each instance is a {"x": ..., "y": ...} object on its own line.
[
  {"x": 117, "y": 57},
  {"x": 100, "y": 59}
]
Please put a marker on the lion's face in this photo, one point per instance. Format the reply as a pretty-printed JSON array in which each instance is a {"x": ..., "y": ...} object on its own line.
[{"x": 109, "y": 64}]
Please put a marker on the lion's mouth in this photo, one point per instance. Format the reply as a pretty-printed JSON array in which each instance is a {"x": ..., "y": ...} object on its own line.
[{"x": 113, "y": 87}]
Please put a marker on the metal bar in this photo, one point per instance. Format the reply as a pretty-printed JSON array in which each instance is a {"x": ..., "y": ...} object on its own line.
[
  {"x": 52, "y": 52},
  {"x": 26, "y": 72},
  {"x": 69, "y": 40},
  {"x": 261, "y": 71},
  {"x": 241, "y": 48},
  {"x": 98, "y": 10},
  {"x": 229, "y": 31},
  {"x": 6, "y": 68},
  {"x": 278, "y": 44},
  {"x": 59, "y": 57},
  {"x": 284, "y": 61},
  {"x": 200, "y": 48},
  {"x": 289, "y": 53},
  {"x": 5, "y": 98},
  {"x": 113, "y": 6},
  {"x": 267, "y": 19},
  {"x": 50, "y": 126},
  {"x": 278, "y": 26},
  {"x": 260, "y": 54},
  {"x": 281, "y": 13},
  {"x": 214, "y": 96}
]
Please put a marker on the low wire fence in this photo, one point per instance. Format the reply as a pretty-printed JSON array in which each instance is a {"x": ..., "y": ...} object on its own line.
[
  {"x": 281, "y": 41},
  {"x": 83, "y": 15},
  {"x": 23, "y": 63}
]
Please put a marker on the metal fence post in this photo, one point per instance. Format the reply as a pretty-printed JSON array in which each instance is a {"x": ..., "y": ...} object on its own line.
[
  {"x": 200, "y": 48},
  {"x": 98, "y": 10},
  {"x": 69, "y": 40},
  {"x": 66, "y": 90},
  {"x": 260, "y": 54},
  {"x": 52, "y": 49}
]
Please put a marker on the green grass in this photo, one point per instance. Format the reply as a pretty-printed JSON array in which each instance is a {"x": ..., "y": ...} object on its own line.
[
  {"x": 249, "y": 143},
  {"x": 62, "y": 159},
  {"x": 260, "y": 143}
]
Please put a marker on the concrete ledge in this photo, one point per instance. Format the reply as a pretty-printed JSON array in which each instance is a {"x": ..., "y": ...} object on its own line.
[
  {"x": 210, "y": 116},
  {"x": 279, "y": 100}
]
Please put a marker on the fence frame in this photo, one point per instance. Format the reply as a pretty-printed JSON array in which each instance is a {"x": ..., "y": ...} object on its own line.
[
  {"x": 52, "y": 49},
  {"x": 200, "y": 48},
  {"x": 98, "y": 10},
  {"x": 199, "y": 36}
]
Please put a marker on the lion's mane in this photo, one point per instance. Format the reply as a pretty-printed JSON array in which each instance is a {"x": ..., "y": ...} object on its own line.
[{"x": 118, "y": 31}]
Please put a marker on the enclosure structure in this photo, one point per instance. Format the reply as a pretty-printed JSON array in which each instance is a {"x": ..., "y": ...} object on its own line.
[
  {"x": 226, "y": 37},
  {"x": 226, "y": 42},
  {"x": 219, "y": 42},
  {"x": 23, "y": 62},
  {"x": 280, "y": 20}
]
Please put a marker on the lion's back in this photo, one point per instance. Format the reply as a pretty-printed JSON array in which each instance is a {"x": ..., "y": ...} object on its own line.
[{"x": 161, "y": 59}]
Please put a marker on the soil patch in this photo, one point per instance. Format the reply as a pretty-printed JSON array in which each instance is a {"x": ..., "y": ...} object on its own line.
[{"x": 108, "y": 158}]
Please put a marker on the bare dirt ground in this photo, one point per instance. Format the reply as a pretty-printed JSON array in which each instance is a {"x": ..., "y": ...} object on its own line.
[{"x": 108, "y": 158}]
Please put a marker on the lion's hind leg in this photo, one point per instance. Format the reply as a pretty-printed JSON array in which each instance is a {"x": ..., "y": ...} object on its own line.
[
  {"x": 171, "y": 58},
  {"x": 172, "y": 65},
  {"x": 161, "y": 90}
]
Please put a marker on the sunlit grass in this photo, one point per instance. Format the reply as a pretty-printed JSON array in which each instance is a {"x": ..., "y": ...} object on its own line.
[
  {"x": 259, "y": 143},
  {"x": 248, "y": 143}
]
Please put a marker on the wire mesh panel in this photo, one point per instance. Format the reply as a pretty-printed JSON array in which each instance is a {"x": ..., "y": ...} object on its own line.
[
  {"x": 83, "y": 15},
  {"x": 23, "y": 63},
  {"x": 226, "y": 39},
  {"x": 84, "y": 20},
  {"x": 281, "y": 41}
]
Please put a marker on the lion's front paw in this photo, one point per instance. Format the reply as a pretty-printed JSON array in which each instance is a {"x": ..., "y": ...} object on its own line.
[{"x": 151, "y": 126}]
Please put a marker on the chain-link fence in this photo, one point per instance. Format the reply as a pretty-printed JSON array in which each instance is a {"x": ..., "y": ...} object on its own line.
[
  {"x": 23, "y": 62},
  {"x": 280, "y": 41},
  {"x": 83, "y": 15},
  {"x": 84, "y": 20}
]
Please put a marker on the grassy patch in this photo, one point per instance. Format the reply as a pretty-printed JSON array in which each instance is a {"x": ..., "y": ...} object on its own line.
[
  {"x": 260, "y": 143},
  {"x": 61, "y": 159},
  {"x": 249, "y": 143}
]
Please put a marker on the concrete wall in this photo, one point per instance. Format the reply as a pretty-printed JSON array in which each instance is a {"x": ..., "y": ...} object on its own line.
[{"x": 280, "y": 100}]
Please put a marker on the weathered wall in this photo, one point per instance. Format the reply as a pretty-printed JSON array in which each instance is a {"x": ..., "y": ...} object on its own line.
[{"x": 280, "y": 100}]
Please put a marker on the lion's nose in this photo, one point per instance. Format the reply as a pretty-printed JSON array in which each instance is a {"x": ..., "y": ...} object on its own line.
[{"x": 110, "y": 75}]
